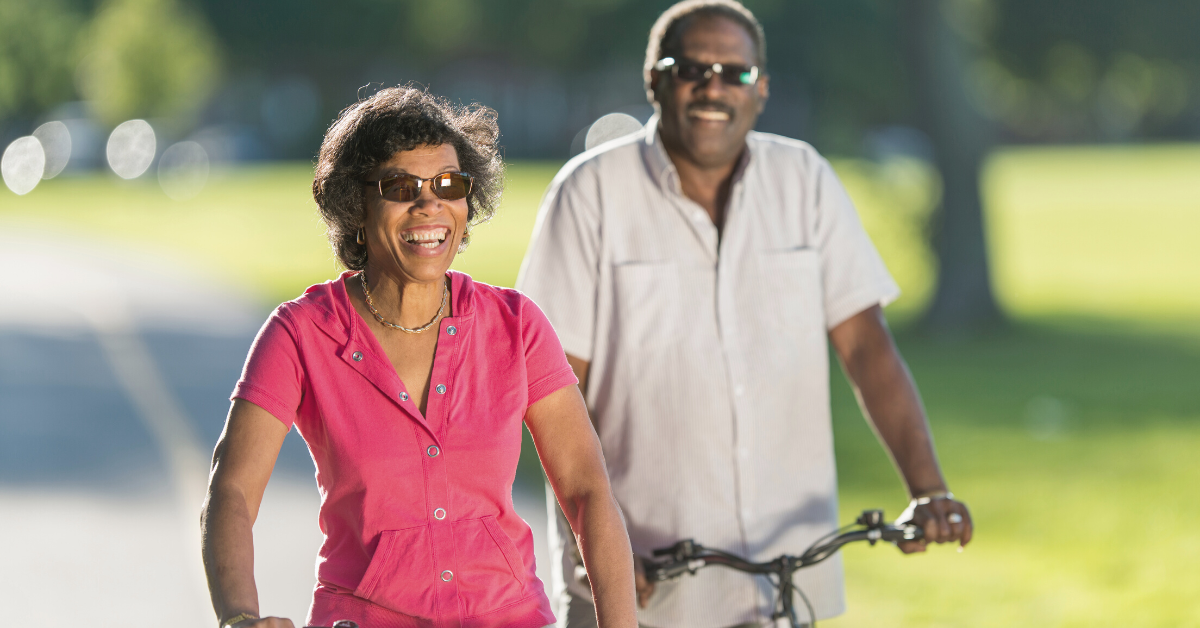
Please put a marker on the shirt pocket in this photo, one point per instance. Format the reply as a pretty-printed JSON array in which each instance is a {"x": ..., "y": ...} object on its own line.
[
  {"x": 646, "y": 304},
  {"x": 401, "y": 576},
  {"x": 491, "y": 570},
  {"x": 793, "y": 296}
]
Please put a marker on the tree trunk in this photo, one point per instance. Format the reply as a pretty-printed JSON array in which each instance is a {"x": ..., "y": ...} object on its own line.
[{"x": 939, "y": 58}]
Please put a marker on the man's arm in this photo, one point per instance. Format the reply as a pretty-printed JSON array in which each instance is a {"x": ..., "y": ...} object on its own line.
[{"x": 888, "y": 396}]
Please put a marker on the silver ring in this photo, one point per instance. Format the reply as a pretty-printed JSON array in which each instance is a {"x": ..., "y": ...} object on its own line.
[{"x": 954, "y": 517}]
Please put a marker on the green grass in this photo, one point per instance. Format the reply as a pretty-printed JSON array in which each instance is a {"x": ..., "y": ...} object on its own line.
[
  {"x": 1075, "y": 453},
  {"x": 1070, "y": 433}
]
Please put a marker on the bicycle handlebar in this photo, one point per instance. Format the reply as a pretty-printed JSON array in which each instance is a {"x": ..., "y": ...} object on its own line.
[{"x": 687, "y": 556}]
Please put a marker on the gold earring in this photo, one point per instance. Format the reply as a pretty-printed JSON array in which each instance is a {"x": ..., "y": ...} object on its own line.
[{"x": 361, "y": 239}]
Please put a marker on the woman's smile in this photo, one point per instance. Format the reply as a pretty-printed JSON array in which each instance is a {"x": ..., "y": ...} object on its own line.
[{"x": 427, "y": 240}]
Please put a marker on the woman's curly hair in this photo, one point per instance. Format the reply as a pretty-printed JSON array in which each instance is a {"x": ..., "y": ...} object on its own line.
[{"x": 371, "y": 131}]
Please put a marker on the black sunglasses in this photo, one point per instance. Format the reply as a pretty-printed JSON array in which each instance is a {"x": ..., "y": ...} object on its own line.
[
  {"x": 691, "y": 71},
  {"x": 405, "y": 188}
]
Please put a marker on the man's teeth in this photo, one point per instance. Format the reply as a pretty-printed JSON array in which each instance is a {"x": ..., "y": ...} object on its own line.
[
  {"x": 709, "y": 114},
  {"x": 427, "y": 239}
]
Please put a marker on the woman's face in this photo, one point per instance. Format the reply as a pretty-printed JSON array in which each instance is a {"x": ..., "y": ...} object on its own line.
[{"x": 416, "y": 240}]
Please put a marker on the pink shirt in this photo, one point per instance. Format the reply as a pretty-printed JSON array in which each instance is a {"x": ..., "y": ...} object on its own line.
[{"x": 416, "y": 510}]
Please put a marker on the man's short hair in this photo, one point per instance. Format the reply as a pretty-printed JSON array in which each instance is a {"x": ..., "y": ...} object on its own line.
[{"x": 666, "y": 36}]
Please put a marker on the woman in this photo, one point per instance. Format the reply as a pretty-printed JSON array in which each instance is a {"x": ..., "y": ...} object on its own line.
[{"x": 410, "y": 383}]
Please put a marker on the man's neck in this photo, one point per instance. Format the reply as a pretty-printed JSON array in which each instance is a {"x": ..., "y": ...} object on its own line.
[{"x": 707, "y": 186}]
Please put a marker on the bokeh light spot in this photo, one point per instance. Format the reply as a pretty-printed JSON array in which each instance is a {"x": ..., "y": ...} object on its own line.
[
  {"x": 183, "y": 170},
  {"x": 610, "y": 127},
  {"x": 56, "y": 142},
  {"x": 22, "y": 164},
  {"x": 131, "y": 148}
]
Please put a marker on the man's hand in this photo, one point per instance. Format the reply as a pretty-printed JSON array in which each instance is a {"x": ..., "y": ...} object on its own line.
[
  {"x": 645, "y": 588},
  {"x": 939, "y": 523}
]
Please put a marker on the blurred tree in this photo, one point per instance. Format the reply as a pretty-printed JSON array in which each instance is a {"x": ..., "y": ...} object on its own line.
[
  {"x": 1072, "y": 70},
  {"x": 37, "y": 55},
  {"x": 943, "y": 39},
  {"x": 147, "y": 58}
]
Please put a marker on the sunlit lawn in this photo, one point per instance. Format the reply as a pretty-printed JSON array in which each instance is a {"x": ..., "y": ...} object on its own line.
[{"x": 1071, "y": 433}]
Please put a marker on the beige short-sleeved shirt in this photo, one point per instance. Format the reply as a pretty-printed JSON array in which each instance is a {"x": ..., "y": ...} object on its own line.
[{"x": 709, "y": 377}]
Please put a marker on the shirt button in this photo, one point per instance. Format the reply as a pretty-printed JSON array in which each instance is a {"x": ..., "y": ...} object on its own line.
[
  {"x": 433, "y": 451},
  {"x": 452, "y": 330},
  {"x": 357, "y": 356},
  {"x": 439, "y": 514},
  {"x": 403, "y": 396},
  {"x": 441, "y": 389},
  {"x": 447, "y": 576},
  {"x": 739, "y": 390}
]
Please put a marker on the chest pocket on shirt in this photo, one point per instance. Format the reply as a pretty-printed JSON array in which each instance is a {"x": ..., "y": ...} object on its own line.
[
  {"x": 793, "y": 296},
  {"x": 646, "y": 304}
]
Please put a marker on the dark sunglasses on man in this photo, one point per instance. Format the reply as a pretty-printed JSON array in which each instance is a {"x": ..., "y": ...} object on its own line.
[
  {"x": 692, "y": 71},
  {"x": 405, "y": 188}
]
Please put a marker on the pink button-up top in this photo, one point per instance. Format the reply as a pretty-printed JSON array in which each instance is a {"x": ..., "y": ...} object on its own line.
[{"x": 416, "y": 510}]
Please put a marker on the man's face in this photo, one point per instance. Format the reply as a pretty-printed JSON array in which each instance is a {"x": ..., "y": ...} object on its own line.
[{"x": 706, "y": 121}]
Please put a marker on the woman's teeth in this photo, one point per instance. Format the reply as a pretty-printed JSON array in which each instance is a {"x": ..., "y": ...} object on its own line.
[{"x": 426, "y": 239}]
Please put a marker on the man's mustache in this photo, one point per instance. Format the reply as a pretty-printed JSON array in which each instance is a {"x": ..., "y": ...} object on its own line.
[{"x": 710, "y": 105}]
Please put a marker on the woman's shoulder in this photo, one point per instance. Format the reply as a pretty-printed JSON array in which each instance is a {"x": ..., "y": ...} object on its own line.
[
  {"x": 320, "y": 303},
  {"x": 488, "y": 300}
]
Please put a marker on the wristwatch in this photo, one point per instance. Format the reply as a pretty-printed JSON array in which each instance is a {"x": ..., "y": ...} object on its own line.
[
  {"x": 928, "y": 497},
  {"x": 236, "y": 618}
]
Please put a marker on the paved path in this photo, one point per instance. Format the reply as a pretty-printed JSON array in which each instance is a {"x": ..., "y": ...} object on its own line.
[{"x": 114, "y": 376}]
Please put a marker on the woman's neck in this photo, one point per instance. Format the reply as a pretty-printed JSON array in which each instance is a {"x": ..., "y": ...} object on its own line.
[{"x": 405, "y": 302}]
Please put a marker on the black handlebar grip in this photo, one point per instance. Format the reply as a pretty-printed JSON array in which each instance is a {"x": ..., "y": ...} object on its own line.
[
  {"x": 907, "y": 532},
  {"x": 681, "y": 550}
]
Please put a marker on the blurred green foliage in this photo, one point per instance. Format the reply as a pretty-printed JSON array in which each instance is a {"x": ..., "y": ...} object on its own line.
[
  {"x": 1048, "y": 69},
  {"x": 37, "y": 55},
  {"x": 147, "y": 58}
]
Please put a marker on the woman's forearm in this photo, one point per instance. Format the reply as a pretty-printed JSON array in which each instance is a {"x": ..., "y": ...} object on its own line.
[
  {"x": 227, "y": 543},
  {"x": 574, "y": 464},
  {"x": 607, "y": 556}
]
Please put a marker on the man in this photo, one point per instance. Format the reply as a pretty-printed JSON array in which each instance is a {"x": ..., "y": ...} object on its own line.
[{"x": 694, "y": 271}]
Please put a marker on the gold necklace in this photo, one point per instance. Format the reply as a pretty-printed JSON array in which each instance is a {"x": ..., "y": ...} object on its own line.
[{"x": 379, "y": 317}]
